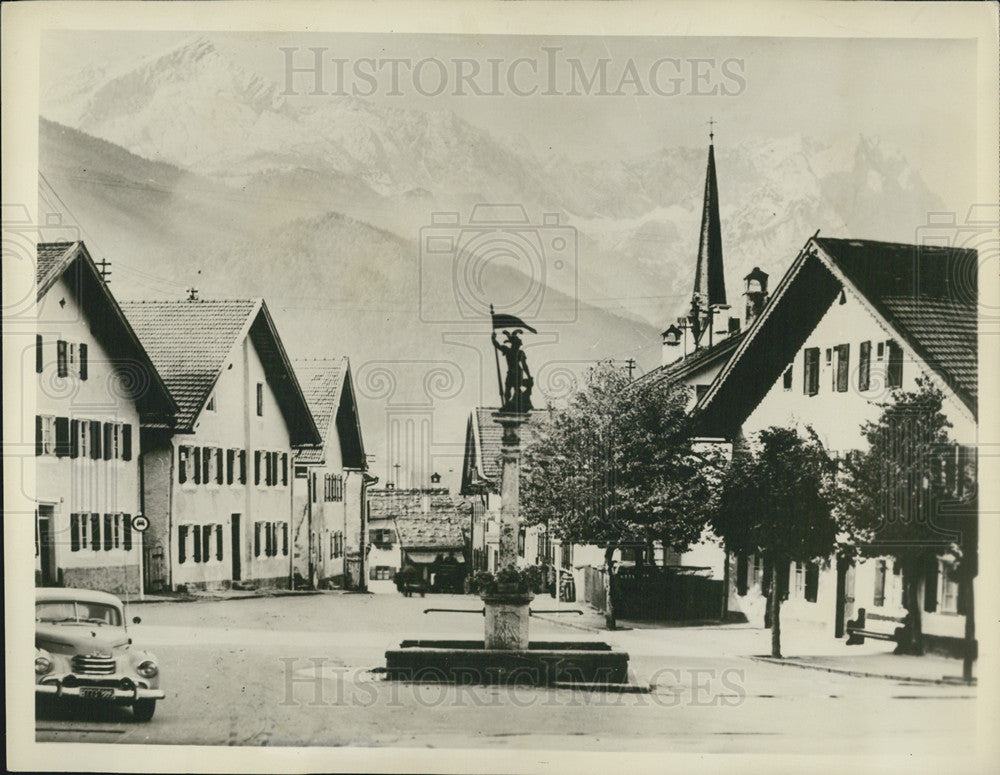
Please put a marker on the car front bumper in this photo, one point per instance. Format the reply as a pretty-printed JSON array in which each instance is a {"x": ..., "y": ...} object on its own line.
[{"x": 106, "y": 693}]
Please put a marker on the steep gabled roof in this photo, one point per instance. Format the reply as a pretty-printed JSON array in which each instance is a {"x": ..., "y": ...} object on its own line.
[
  {"x": 329, "y": 390},
  {"x": 702, "y": 358},
  {"x": 72, "y": 261},
  {"x": 926, "y": 296},
  {"x": 191, "y": 341},
  {"x": 481, "y": 467}
]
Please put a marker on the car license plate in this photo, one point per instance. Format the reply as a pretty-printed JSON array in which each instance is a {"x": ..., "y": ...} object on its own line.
[{"x": 97, "y": 692}]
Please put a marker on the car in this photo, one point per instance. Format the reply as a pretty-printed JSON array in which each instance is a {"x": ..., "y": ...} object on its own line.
[{"x": 83, "y": 650}]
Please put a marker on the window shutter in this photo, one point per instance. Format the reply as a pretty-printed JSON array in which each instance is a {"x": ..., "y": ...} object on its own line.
[
  {"x": 127, "y": 532},
  {"x": 74, "y": 438},
  {"x": 74, "y": 532},
  {"x": 95, "y": 439},
  {"x": 931, "y": 586},
  {"x": 230, "y": 465},
  {"x": 127, "y": 441},
  {"x": 284, "y": 538},
  {"x": 39, "y": 355},
  {"x": 812, "y": 582},
  {"x": 197, "y": 465},
  {"x": 810, "y": 382},
  {"x": 284, "y": 469},
  {"x": 741, "y": 573},
  {"x": 243, "y": 466},
  {"x": 865, "y": 366},
  {"x": 218, "y": 542},
  {"x": 83, "y": 361},
  {"x": 220, "y": 473},
  {"x": 843, "y": 367},
  {"x": 62, "y": 436},
  {"x": 182, "y": 533},
  {"x": 206, "y": 465},
  {"x": 182, "y": 461},
  {"x": 61, "y": 369},
  {"x": 107, "y": 533},
  {"x": 256, "y": 466},
  {"x": 196, "y": 553},
  {"x": 256, "y": 539},
  {"x": 894, "y": 371},
  {"x": 109, "y": 446},
  {"x": 38, "y": 434}
]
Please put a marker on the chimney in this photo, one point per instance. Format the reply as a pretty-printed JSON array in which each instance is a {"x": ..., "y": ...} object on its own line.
[
  {"x": 756, "y": 293},
  {"x": 671, "y": 339}
]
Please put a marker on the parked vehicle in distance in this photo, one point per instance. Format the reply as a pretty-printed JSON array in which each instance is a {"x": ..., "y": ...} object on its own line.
[{"x": 83, "y": 650}]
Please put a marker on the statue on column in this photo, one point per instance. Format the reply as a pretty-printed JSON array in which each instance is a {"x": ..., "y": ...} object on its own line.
[{"x": 516, "y": 394}]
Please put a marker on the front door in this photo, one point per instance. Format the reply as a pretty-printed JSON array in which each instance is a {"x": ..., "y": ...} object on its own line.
[
  {"x": 46, "y": 546},
  {"x": 237, "y": 546}
]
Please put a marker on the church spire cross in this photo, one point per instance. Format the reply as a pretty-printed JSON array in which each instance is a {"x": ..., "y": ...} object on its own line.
[{"x": 711, "y": 129}]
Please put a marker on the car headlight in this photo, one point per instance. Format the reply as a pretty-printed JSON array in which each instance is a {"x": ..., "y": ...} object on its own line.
[
  {"x": 43, "y": 663},
  {"x": 147, "y": 668}
]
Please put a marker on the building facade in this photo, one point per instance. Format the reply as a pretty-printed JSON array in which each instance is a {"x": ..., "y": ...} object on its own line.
[
  {"x": 218, "y": 485},
  {"x": 327, "y": 490},
  {"x": 95, "y": 386}
]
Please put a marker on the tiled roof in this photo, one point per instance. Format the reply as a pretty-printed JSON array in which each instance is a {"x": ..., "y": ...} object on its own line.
[
  {"x": 441, "y": 526},
  {"x": 490, "y": 435},
  {"x": 433, "y": 531},
  {"x": 700, "y": 358},
  {"x": 188, "y": 342},
  {"x": 321, "y": 383},
  {"x": 50, "y": 256},
  {"x": 929, "y": 294}
]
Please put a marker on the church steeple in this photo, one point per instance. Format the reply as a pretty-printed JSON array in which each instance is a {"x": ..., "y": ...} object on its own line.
[{"x": 709, "y": 278}]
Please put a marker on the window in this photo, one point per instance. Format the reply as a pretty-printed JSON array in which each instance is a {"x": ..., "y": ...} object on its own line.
[
  {"x": 800, "y": 580},
  {"x": 880, "y": 351},
  {"x": 810, "y": 375},
  {"x": 108, "y": 536},
  {"x": 812, "y": 581},
  {"x": 62, "y": 369},
  {"x": 948, "y": 592},
  {"x": 83, "y": 521},
  {"x": 182, "y": 464},
  {"x": 74, "y": 532},
  {"x": 118, "y": 531},
  {"x": 842, "y": 373},
  {"x": 878, "y": 599},
  {"x": 210, "y": 404},
  {"x": 95, "y": 532},
  {"x": 333, "y": 487},
  {"x": 83, "y": 439},
  {"x": 39, "y": 355},
  {"x": 786, "y": 379},
  {"x": 113, "y": 441},
  {"x": 382, "y": 573},
  {"x": 83, "y": 362},
  {"x": 894, "y": 369},
  {"x": 865, "y": 366},
  {"x": 741, "y": 573},
  {"x": 757, "y": 571},
  {"x": 45, "y": 435},
  {"x": 260, "y": 399}
]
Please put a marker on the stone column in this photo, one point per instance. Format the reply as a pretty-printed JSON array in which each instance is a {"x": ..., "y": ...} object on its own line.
[{"x": 510, "y": 484}]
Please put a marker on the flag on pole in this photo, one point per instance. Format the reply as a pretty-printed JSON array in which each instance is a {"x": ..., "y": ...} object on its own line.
[{"x": 503, "y": 320}]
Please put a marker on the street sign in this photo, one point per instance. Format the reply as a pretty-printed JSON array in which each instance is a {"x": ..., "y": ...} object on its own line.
[{"x": 140, "y": 523}]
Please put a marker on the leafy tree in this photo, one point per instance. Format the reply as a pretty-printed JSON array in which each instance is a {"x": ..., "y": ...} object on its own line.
[
  {"x": 910, "y": 495},
  {"x": 619, "y": 466},
  {"x": 776, "y": 500}
]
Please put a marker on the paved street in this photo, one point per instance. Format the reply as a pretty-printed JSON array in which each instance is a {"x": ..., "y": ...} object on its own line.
[{"x": 296, "y": 671}]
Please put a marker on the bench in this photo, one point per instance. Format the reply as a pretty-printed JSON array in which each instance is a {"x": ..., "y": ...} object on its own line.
[{"x": 856, "y": 632}]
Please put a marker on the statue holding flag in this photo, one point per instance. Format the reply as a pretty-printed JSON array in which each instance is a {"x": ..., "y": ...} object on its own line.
[{"x": 515, "y": 390}]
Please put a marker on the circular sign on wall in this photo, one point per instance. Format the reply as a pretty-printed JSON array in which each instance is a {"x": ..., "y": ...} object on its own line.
[{"x": 140, "y": 523}]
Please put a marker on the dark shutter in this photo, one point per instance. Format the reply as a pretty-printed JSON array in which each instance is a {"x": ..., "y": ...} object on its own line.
[
  {"x": 108, "y": 534},
  {"x": 95, "y": 439},
  {"x": 206, "y": 464},
  {"x": 62, "y": 436},
  {"x": 843, "y": 367},
  {"x": 197, "y": 465},
  {"x": 182, "y": 532},
  {"x": 260, "y": 399},
  {"x": 812, "y": 581},
  {"x": 83, "y": 361},
  {"x": 741, "y": 573},
  {"x": 206, "y": 532},
  {"x": 220, "y": 474},
  {"x": 95, "y": 531},
  {"x": 894, "y": 371},
  {"x": 256, "y": 466},
  {"x": 218, "y": 542},
  {"x": 931, "y": 585},
  {"x": 109, "y": 446},
  {"x": 74, "y": 438},
  {"x": 865, "y": 366},
  {"x": 61, "y": 369},
  {"x": 39, "y": 355},
  {"x": 74, "y": 532},
  {"x": 284, "y": 538},
  {"x": 810, "y": 374},
  {"x": 243, "y": 466},
  {"x": 126, "y": 441},
  {"x": 230, "y": 465},
  {"x": 182, "y": 463},
  {"x": 256, "y": 539},
  {"x": 38, "y": 434},
  {"x": 284, "y": 468},
  {"x": 127, "y": 532}
]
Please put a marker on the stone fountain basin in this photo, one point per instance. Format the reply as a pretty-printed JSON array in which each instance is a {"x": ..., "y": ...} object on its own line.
[{"x": 543, "y": 663}]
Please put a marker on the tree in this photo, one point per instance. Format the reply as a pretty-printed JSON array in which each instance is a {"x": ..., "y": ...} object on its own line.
[
  {"x": 911, "y": 496},
  {"x": 776, "y": 500},
  {"x": 619, "y": 466}
]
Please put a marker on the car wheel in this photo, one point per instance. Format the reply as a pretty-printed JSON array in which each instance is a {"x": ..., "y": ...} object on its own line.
[{"x": 142, "y": 710}]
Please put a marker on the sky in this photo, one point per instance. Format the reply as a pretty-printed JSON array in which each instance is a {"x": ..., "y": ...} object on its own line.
[{"x": 917, "y": 94}]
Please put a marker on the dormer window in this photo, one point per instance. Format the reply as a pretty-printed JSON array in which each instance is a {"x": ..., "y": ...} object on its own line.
[{"x": 210, "y": 405}]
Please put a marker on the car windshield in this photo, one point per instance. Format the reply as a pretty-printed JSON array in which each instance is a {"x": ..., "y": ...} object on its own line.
[{"x": 77, "y": 611}]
